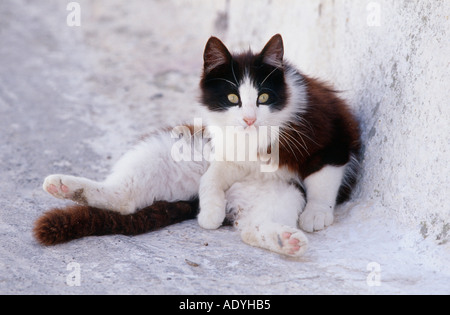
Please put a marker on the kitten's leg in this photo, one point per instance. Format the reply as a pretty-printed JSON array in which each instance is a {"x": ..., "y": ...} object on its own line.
[
  {"x": 322, "y": 189},
  {"x": 72, "y": 187},
  {"x": 213, "y": 184},
  {"x": 278, "y": 238},
  {"x": 143, "y": 175},
  {"x": 267, "y": 215},
  {"x": 102, "y": 195}
]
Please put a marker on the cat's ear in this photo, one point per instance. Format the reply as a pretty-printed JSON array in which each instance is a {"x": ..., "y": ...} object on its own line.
[
  {"x": 215, "y": 54},
  {"x": 273, "y": 52}
]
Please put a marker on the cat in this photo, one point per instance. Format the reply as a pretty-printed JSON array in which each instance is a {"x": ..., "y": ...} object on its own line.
[{"x": 308, "y": 140}]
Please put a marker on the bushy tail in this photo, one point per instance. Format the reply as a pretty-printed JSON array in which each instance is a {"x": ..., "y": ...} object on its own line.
[{"x": 65, "y": 224}]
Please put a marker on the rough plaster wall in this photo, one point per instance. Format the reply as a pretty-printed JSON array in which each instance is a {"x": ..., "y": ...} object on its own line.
[{"x": 391, "y": 60}]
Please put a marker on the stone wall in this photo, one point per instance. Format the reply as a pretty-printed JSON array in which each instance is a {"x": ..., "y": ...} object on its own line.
[{"x": 391, "y": 61}]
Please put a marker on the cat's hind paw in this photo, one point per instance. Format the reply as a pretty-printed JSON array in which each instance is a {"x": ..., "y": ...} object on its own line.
[
  {"x": 293, "y": 244},
  {"x": 65, "y": 187}
]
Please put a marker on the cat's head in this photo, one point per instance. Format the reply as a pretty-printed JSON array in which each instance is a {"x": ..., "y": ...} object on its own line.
[{"x": 246, "y": 89}]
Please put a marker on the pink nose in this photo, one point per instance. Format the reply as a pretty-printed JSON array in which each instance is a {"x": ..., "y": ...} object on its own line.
[{"x": 249, "y": 121}]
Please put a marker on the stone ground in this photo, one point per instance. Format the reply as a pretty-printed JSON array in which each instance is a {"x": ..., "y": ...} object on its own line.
[{"x": 73, "y": 99}]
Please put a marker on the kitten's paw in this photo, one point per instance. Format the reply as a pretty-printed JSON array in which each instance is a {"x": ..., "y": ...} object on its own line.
[
  {"x": 65, "y": 187},
  {"x": 292, "y": 243},
  {"x": 210, "y": 220},
  {"x": 211, "y": 215},
  {"x": 316, "y": 218}
]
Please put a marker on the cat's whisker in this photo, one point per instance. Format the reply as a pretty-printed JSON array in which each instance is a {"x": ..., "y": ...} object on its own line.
[
  {"x": 302, "y": 121},
  {"x": 281, "y": 136},
  {"x": 286, "y": 127},
  {"x": 301, "y": 134},
  {"x": 304, "y": 146},
  {"x": 287, "y": 136}
]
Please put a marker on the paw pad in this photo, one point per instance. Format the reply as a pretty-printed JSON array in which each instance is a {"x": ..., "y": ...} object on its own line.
[
  {"x": 293, "y": 244},
  {"x": 54, "y": 185}
]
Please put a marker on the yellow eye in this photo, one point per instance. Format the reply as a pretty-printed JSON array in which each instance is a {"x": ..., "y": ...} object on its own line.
[
  {"x": 233, "y": 98},
  {"x": 263, "y": 98}
]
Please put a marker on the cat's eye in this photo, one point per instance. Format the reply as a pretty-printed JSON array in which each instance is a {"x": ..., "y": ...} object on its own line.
[
  {"x": 263, "y": 98},
  {"x": 233, "y": 98}
]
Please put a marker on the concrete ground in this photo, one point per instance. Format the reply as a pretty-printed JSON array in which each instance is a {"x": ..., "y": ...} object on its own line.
[{"x": 73, "y": 99}]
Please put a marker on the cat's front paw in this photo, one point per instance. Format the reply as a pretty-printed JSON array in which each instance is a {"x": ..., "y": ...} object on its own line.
[
  {"x": 65, "y": 187},
  {"x": 316, "y": 218},
  {"x": 211, "y": 214}
]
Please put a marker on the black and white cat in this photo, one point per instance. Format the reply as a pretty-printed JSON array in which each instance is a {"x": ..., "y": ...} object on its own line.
[{"x": 303, "y": 163}]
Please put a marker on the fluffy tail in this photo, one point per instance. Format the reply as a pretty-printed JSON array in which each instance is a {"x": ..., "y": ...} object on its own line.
[{"x": 65, "y": 224}]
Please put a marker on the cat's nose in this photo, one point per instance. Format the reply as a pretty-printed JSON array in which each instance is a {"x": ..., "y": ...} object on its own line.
[{"x": 249, "y": 121}]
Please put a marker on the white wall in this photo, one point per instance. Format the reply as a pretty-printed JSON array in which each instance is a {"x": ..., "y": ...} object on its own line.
[{"x": 392, "y": 60}]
